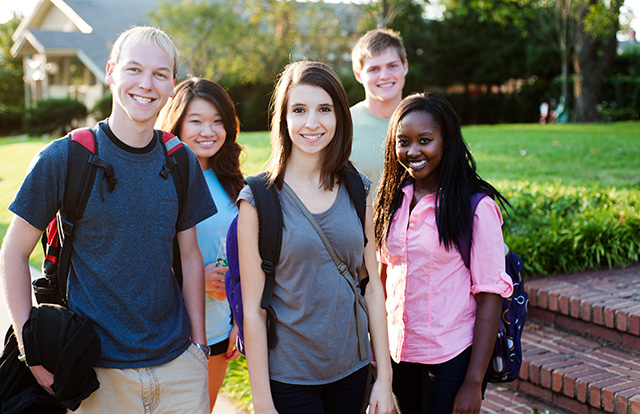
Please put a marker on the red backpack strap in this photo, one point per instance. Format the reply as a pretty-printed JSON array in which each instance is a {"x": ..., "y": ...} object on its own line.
[{"x": 177, "y": 166}]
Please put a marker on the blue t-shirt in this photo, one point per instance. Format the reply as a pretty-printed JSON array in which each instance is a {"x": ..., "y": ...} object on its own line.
[
  {"x": 212, "y": 234},
  {"x": 122, "y": 255}
]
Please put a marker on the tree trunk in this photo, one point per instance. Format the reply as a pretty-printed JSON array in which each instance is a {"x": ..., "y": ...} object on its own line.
[{"x": 592, "y": 57}]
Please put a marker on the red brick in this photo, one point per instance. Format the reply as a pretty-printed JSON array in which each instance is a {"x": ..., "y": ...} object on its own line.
[
  {"x": 542, "y": 315},
  {"x": 609, "y": 317},
  {"x": 572, "y": 324},
  {"x": 574, "y": 307},
  {"x": 635, "y": 405},
  {"x": 604, "y": 333},
  {"x": 534, "y": 374},
  {"x": 621, "y": 404},
  {"x": 533, "y": 295},
  {"x": 556, "y": 381},
  {"x": 543, "y": 300},
  {"x": 632, "y": 341},
  {"x": 595, "y": 390},
  {"x": 536, "y": 391},
  {"x": 623, "y": 317},
  {"x": 553, "y": 301},
  {"x": 582, "y": 384},
  {"x": 545, "y": 377},
  {"x": 524, "y": 371},
  {"x": 569, "y": 387},
  {"x": 570, "y": 405},
  {"x": 586, "y": 313},
  {"x": 609, "y": 392},
  {"x": 631, "y": 373},
  {"x": 634, "y": 324},
  {"x": 564, "y": 305}
]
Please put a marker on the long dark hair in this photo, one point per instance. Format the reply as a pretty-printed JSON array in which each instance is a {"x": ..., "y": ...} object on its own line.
[
  {"x": 336, "y": 154},
  {"x": 457, "y": 180},
  {"x": 226, "y": 162}
]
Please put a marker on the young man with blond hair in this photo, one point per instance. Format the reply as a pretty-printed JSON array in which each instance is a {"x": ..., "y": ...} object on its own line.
[
  {"x": 153, "y": 346},
  {"x": 380, "y": 64}
]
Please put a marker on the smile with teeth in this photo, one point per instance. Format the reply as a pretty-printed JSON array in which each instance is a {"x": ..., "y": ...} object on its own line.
[
  {"x": 206, "y": 144},
  {"x": 141, "y": 99},
  {"x": 417, "y": 164},
  {"x": 311, "y": 137}
]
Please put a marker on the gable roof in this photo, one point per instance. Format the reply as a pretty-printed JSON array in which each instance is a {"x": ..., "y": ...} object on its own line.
[{"x": 86, "y": 27}]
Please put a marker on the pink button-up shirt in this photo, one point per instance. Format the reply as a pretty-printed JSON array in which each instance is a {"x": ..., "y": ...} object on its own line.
[{"x": 430, "y": 304}]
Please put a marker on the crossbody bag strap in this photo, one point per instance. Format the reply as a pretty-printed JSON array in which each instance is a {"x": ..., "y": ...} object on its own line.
[{"x": 343, "y": 269}]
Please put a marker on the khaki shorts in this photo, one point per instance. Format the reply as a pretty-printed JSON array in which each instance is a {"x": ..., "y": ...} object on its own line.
[{"x": 179, "y": 386}]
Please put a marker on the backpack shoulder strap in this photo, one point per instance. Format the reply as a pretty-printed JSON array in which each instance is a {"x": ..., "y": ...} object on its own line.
[
  {"x": 356, "y": 190},
  {"x": 465, "y": 243},
  {"x": 269, "y": 241},
  {"x": 177, "y": 166},
  {"x": 82, "y": 165}
]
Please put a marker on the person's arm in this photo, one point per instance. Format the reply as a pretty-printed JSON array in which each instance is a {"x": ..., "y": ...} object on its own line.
[
  {"x": 15, "y": 277},
  {"x": 193, "y": 283},
  {"x": 255, "y": 318},
  {"x": 381, "y": 400},
  {"x": 469, "y": 397}
]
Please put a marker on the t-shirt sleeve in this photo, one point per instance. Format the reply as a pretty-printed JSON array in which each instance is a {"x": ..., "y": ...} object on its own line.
[
  {"x": 487, "y": 251},
  {"x": 367, "y": 184},
  {"x": 199, "y": 204},
  {"x": 247, "y": 195},
  {"x": 40, "y": 194}
]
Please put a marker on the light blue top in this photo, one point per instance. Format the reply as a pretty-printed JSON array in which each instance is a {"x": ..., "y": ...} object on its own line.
[{"x": 211, "y": 233}]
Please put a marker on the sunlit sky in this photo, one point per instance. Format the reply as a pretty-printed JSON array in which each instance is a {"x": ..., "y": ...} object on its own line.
[{"x": 7, "y": 7}]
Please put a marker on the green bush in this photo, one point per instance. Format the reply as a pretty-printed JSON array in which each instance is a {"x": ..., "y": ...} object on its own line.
[
  {"x": 53, "y": 116},
  {"x": 11, "y": 120},
  {"x": 102, "y": 108},
  {"x": 563, "y": 229}
]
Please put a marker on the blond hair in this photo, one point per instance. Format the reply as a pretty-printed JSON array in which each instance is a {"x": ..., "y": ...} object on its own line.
[{"x": 149, "y": 36}]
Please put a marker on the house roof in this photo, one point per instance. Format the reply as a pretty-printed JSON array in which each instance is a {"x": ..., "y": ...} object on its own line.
[{"x": 90, "y": 27}]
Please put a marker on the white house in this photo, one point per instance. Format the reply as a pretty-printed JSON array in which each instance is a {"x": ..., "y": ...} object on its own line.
[{"x": 65, "y": 45}]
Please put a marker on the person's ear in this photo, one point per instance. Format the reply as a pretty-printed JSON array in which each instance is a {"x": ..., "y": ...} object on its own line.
[
  {"x": 357, "y": 73},
  {"x": 108, "y": 77}
]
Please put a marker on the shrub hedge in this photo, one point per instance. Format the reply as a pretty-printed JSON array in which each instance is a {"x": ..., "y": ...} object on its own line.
[
  {"x": 51, "y": 116},
  {"x": 11, "y": 120},
  {"x": 557, "y": 229}
]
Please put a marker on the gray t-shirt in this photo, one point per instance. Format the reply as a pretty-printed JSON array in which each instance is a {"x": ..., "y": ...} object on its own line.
[
  {"x": 122, "y": 253},
  {"x": 316, "y": 327}
]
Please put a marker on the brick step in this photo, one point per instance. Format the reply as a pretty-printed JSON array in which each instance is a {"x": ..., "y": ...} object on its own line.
[
  {"x": 603, "y": 304},
  {"x": 504, "y": 399},
  {"x": 580, "y": 375}
]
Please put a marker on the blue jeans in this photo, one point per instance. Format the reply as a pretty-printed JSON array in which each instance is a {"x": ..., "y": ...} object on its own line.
[
  {"x": 340, "y": 397},
  {"x": 429, "y": 389}
]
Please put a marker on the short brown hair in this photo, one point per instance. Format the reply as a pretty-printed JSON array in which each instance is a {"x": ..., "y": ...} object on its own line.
[
  {"x": 336, "y": 154},
  {"x": 375, "y": 42}
]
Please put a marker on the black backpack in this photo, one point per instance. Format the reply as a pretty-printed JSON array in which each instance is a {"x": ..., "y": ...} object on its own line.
[
  {"x": 82, "y": 165},
  {"x": 507, "y": 353},
  {"x": 269, "y": 243}
]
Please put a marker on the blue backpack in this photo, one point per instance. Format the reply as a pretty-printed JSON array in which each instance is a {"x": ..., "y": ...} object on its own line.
[
  {"x": 507, "y": 354},
  {"x": 269, "y": 243}
]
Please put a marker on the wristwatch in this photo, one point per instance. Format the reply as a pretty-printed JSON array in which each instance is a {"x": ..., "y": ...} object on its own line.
[{"x": 204, "y": 348}]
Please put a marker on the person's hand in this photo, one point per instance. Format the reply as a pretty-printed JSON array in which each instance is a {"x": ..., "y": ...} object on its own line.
[
  {"x": 381, "y": 400},
  {"x": 232, "y": 351},
  {"x": 468, "y": 399},
  {"x": 214, "y": 281},
  {"x": 43, "y": 377}
]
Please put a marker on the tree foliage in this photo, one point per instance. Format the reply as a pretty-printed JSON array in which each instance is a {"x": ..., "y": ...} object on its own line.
[
  {"x": 11, "y": 73},
  {"x": 584, "y": 34}
]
